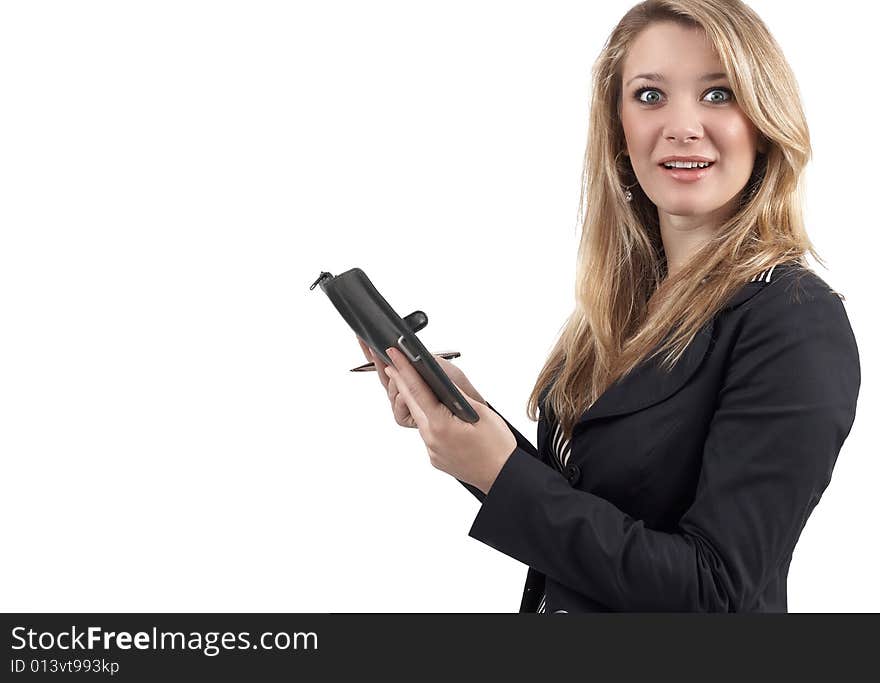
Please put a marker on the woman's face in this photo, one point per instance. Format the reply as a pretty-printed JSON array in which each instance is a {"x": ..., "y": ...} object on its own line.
[{"x": 676, "y": 112}]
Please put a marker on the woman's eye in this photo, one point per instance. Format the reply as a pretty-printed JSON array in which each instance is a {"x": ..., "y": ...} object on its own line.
[
  {"x": 640, "y": 91},
  {"x": 723, "y": 90}
]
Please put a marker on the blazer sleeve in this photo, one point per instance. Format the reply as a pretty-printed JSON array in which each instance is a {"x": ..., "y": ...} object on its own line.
[
  {"x": 786, "y": 405},
  {"x": 521, "y": 442}
]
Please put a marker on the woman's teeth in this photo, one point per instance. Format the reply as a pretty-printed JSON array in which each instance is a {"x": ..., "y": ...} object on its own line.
[{"x": 687, "y": 164}]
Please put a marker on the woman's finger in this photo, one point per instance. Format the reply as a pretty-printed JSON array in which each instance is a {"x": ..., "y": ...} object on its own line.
[
  {"x": 398, "y": 406},
  {"x": 419, "y": 397},
  {"x": 380, "y": 368},
  {"x": 402, "y": 416},
  {"x": 416, "y": 394},
  {"x": 377, "y": 362}
]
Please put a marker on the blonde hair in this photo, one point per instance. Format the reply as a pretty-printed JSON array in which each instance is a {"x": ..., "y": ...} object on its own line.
[{"x": 620, "y": 260}]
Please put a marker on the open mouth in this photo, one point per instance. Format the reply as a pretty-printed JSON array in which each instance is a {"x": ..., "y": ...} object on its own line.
[{"x": 687, "y": 174}]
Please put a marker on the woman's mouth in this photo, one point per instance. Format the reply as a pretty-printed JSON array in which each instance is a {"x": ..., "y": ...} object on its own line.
[{"x": 687, "y": 175}]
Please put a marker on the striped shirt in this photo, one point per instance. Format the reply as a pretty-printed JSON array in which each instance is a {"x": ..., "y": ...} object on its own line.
[{"x": 560, "y": 450}]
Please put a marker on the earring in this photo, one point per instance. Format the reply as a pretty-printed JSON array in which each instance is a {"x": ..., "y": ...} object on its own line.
[{"x": 626, "y": 191}]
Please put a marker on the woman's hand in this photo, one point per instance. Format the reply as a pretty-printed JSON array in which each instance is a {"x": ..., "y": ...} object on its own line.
[
  {"x": 398, "y": 406},
  {"x": 471, "y": 452}
]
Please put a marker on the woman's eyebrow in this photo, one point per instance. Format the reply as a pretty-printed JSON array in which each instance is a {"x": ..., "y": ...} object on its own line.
[{"x": 661, "y": 77}]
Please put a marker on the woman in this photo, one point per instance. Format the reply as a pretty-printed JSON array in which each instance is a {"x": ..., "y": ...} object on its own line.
[{"x": 695, "y": 403}]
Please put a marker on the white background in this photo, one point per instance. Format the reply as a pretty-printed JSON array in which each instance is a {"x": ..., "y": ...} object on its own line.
[{"x": 178, "y": 427}]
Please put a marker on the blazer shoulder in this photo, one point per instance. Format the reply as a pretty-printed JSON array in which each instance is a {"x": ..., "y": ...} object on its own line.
[
  {"x": 792, "y": 284},
  {"x": 796, "y": 333},
  {"x": 797, "y": 303}
]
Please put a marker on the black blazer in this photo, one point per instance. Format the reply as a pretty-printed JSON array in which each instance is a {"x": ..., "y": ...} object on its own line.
[{"x": 686, "y": 492}]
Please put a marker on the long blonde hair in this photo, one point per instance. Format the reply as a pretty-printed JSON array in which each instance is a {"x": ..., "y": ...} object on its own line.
[{"x": 620, "y": 260}]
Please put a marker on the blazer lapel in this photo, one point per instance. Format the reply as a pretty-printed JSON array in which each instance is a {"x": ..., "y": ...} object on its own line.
[{"x": 648, "y": 383}]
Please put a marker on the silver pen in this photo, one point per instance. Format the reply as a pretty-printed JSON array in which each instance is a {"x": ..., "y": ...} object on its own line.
[{"x": 371, "y": 367}]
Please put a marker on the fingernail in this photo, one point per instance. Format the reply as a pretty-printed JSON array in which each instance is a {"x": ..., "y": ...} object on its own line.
[{"x": 390, "y": 351}]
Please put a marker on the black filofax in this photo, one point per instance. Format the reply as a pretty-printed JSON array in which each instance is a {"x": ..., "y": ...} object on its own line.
[{"x": 373, "y": 319}]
